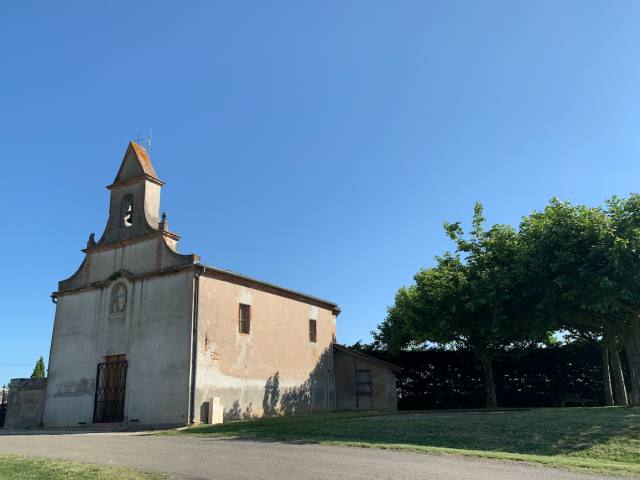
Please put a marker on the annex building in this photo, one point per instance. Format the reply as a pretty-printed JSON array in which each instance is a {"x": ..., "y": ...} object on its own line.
[{"x": 144, "y": 335}]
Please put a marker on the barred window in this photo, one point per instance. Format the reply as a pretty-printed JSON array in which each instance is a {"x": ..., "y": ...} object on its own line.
[
  {"x": 312, "y": 331},
  {"x": 245, "y": 319},
  {"x": 364, "y": 386}
]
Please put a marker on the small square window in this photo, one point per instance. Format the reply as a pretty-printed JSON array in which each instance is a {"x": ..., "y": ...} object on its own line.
[
  {"x": 312, "y": 331},
  {"x": 245, "y": 319}
]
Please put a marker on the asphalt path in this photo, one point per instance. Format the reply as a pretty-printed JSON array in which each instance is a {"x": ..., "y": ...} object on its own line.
[{"x": 212, "y": 458}]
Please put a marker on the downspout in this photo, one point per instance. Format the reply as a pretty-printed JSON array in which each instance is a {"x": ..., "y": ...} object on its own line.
[{"x": 194, "y": 350}]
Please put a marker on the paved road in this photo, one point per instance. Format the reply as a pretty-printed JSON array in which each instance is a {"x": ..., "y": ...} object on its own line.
[{"x": 207, "y": 458}]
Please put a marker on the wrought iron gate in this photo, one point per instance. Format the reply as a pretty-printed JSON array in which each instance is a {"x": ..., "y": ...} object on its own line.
[{"x": 110, "y": 385}]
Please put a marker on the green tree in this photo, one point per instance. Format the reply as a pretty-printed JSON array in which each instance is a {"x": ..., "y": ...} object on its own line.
[
  {"x": 475, "y": 303},
  {"x": 38, "y": 371},
  {"x": 582, "y": 264},
  {"x": 601, "y": 341}
]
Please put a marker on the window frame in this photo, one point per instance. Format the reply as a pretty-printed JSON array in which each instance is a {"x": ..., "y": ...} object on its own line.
[
  {"x": 313, "y": 333},
  {"x": 244, "y": 324},
  {"x": 365, "y": 385}
]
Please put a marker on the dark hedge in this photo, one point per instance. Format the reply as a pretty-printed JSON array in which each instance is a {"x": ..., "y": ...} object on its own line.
[{"x": 437, "y": 379}]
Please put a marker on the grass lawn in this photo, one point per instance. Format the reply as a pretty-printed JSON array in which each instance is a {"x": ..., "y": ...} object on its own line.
[
  {"x": 30, "y": 468},
  {"x": 598, "y": 440}
]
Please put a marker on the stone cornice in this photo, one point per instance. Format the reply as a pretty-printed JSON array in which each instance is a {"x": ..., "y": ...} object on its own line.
[
  {"x": 213, "y": 273},
  {"x": 129, "y": 276},
  {"x": 131, "y": 241},
  {"x": 133, "y": 181}
]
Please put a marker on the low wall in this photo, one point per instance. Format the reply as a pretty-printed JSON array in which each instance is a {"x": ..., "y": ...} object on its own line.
[{"x": 26, "y": 402}]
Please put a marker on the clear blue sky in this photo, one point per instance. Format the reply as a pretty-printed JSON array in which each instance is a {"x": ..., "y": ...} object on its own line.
[{"x": 317, "y": 145}]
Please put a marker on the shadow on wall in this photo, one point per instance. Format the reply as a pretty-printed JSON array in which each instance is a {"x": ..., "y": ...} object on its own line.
[{"x": 309, "y": 397}]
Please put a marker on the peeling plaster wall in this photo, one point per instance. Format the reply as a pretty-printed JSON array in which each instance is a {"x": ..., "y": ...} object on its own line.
[
  {"x": 154, "y": 333},
  {"x": 273, "y": 371},
  {"x": 383, "y": 379}
]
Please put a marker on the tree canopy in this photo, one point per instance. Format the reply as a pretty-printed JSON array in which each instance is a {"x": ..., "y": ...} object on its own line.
[
  {"x": 505, "y": 291},
  {"x": 38, "y": 371},
  {"x": 584, "y": 264},
  {"x": 472, "y": 302}
]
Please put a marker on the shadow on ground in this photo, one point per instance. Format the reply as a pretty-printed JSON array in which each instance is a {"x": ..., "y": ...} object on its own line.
[{"x": 609, "y": 433}]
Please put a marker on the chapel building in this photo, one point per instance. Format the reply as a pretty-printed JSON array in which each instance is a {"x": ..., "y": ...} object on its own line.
[{"x": 144, "y": 335}]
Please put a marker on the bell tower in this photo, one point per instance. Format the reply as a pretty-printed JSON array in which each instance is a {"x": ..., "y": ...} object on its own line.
[
  {"x": 135, "y": 198},
  {"x": 135, "y": 241}
]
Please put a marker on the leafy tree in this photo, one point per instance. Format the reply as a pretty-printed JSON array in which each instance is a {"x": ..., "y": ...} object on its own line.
[
  {"x": 600, "y": 341},
  {"x": 619, "y": 387},
  {"x": 583, "y": 264},
  {"x": 475, "y": 303},
  {"x": 38, "y": 371},
  {"x": 608, "y": 341}
]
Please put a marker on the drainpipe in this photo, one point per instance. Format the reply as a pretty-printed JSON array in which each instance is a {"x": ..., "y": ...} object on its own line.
[{"x": 194, "y": 350}]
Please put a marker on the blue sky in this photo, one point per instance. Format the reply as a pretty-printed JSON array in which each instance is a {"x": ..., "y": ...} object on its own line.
[{"x": 316, "y": 145}]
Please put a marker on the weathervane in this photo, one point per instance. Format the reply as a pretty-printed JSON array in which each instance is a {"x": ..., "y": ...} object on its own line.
[{"x": 149, "y": 142}]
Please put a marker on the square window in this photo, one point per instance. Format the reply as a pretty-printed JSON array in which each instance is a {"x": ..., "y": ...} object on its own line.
[
  {"x": 245, "y": 319},
  {"x": 312, "y": 331}
]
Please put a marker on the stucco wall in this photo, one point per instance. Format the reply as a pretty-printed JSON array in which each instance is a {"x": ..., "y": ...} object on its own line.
[
  {"x": 155, "y": 335},
  {"x": 137, "y": 258},
  {"x": 384, "y": 396},
  {"x": 25, "y": 403},
  {"x": 275, "y": 370}
]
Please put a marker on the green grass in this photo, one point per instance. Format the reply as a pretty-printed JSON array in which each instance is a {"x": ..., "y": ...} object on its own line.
[
  {"x": 30, "y": 468},
  {"x": 597, "y": 440}
]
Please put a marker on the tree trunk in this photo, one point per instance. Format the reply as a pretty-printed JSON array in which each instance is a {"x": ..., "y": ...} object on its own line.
[
  {"x": 619, "y": 389},
  {"x": 606, "y": 376},
  {"x": 490, "y": 388},
  {"x": 631, "y": 335}
]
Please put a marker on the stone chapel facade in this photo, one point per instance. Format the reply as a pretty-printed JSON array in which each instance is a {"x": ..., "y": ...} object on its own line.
[{"x": 144, "y": 335}]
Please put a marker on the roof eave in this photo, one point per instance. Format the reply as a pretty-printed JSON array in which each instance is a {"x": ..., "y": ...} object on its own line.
[
  {"x": 371, "y": 359},
  {"x": 334, "y": 306}
]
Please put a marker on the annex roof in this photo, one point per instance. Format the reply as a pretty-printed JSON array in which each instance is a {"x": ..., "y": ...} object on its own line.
[{"x": 377, "y": 361}]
